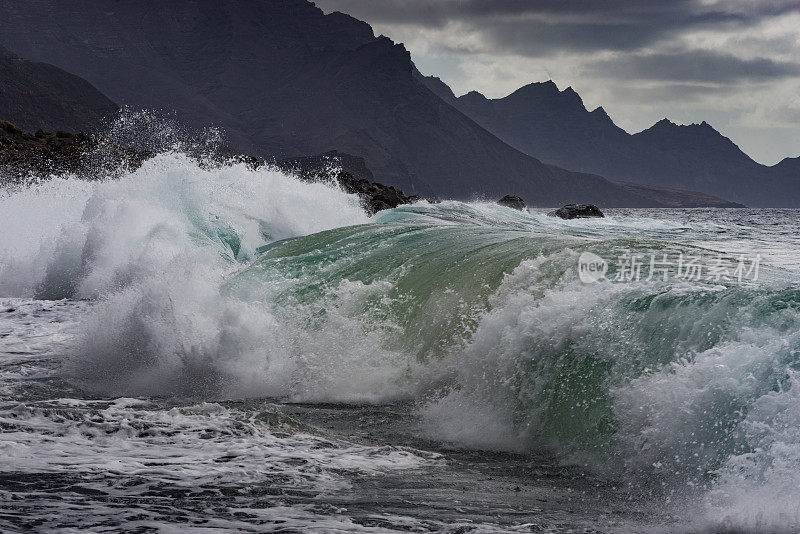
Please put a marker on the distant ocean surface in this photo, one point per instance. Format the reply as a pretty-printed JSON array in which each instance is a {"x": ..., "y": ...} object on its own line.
[{"x": 194, "y": 348}]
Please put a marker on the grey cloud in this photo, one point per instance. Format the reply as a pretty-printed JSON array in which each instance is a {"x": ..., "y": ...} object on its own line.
[
  {"x": 531, "y": 27},
  {"x": 536, "y": 37},
  {"x": 636, "y": 93},
  {"x": 693, "y": 66},
  {"x": 427, "y": 13}
]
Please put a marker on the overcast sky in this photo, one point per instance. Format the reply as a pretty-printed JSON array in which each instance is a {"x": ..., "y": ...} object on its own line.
[{"x": 733, "y": 63}]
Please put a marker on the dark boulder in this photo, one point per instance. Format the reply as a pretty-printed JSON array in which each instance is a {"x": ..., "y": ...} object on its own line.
[
  {"x": 577, "y": 211},
  {"x": 376, "y": 197},
  {"x": 513, "y": 202}
]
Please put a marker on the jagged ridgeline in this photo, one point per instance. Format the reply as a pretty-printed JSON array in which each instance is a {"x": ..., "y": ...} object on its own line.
[
  {"x": 296, "y": 82},
  {"x": 555, "y": 126}
]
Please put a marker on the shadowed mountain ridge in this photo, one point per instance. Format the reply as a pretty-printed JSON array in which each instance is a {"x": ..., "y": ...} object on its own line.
[{"x": 555, "y": 126}]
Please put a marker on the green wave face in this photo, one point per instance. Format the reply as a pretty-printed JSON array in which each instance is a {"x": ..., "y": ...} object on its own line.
[
  {"x": 438, "y": 279},
  {"x": 499, "y": 333},
  {"x": 197, "y": 285}
]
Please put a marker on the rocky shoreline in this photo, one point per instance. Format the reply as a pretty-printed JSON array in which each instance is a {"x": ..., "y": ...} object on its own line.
[
  {"x": 353, "y": 176},
  {"x": 39, "y": 155},
  {"x": 42, "y": 154},
  {"x": 24, "y": 156}
]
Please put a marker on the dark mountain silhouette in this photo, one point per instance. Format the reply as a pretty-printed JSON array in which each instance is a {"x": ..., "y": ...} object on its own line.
[
  {"x": 38, "y": 96},
  {"x": 286, "y": 80},
  {"x": 556, "y": 127},
  {"x": 439, "y": 88},
  {"x": 540, "y": 119},
  {"x": 788, "y": 165},
  {"x": 787, "y": 174}
]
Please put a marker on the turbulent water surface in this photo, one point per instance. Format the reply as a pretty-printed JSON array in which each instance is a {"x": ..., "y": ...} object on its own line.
[{"x": 213, "y": 347}]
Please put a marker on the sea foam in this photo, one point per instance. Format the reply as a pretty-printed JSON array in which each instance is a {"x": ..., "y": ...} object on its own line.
[{"x": 472, "y": 310}]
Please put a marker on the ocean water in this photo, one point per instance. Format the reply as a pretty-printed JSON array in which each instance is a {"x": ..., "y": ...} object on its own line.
[{"x": 199, "y": 347}]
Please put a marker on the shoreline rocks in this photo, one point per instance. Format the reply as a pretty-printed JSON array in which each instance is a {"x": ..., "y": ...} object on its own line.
[
  {"x": 23, "y": 155},
  {"x": 513, "y": 202},
  {"x": 353, "y": 176},
  {"x": 577, "y": 211}
]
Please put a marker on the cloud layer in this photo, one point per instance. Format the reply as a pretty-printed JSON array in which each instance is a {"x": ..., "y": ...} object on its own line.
[{"x": 736, "y": 62}]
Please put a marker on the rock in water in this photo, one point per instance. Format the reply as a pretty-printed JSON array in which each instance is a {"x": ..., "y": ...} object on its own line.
[
  {"x": 513, "y": 201},
  {"x": 577, "y": 211},
  {"x": 376, "y": 196}
]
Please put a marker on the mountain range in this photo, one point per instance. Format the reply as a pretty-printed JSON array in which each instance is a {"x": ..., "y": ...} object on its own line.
[
  {"x": 38, "y": 96},
  {"x": 555, "y": 126},
  {"x": 285, "y": 80}
]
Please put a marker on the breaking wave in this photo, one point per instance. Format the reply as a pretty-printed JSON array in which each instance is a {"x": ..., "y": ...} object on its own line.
[{"x": 217, "y": 281}]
